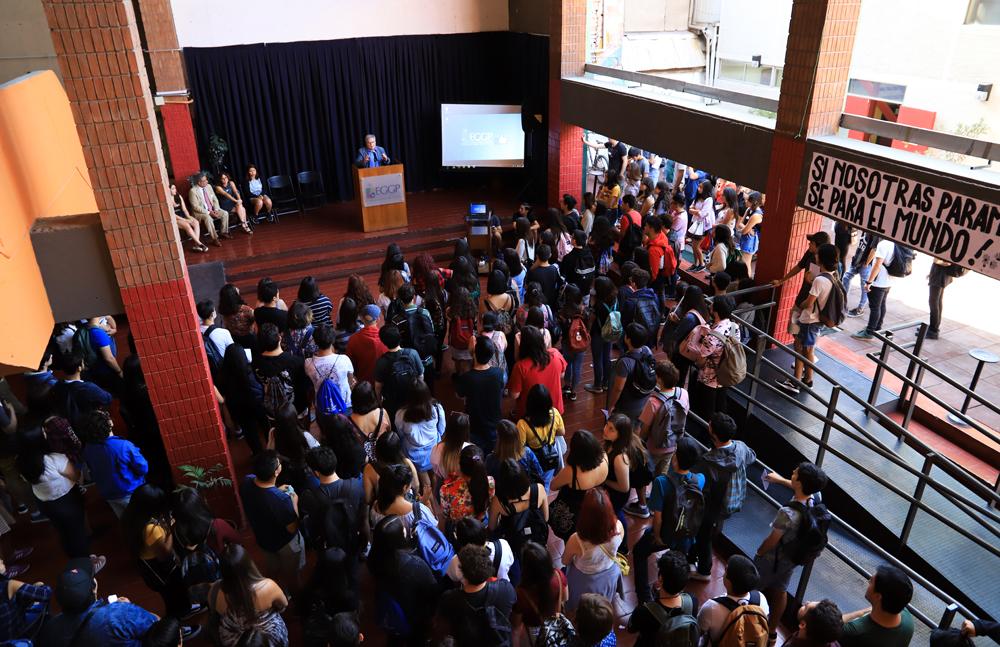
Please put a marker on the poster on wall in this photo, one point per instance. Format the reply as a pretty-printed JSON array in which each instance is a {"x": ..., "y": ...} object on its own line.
[{"x": 951, "y": 226}]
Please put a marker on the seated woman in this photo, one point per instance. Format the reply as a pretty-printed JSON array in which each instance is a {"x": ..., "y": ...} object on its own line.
[
  {"x": 231, "y": 201},
  {"x": 258, "y": 198},
  {"x": 185, "y": 222}
]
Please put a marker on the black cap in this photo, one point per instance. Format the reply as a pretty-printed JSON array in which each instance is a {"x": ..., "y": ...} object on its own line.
[
  {"x": 75, "y": 587},
  {"x": 819, "y": 238}
]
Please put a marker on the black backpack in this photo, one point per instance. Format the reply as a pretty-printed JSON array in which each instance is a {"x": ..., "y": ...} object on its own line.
[
  {"x": 518, "y": 528},
  {"x": 403, "y": 374},
  {"x": 901, "y": 263},
  {"x": 81, "y": 344},
  {"x": 332, "y": 523},
  {"x": 646, "y": 312},
  {"x": 631, "y": 241},
  {"x": 642, "y": 378},
  {"x": 488, "y": 626},
  {"x": 678, "y": 628},
  {"x": 415, "y": 332},
  {"x": 200, "y": 566},
  {"x": 811, "y": 537},
  {"x": 834, "y": 311},
  {"x": 688, "y": 507},
  {"x": 212, "y": 352}
]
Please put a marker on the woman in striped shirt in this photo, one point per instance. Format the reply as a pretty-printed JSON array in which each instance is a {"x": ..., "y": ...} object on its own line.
[{"x": 319, "y": 303}]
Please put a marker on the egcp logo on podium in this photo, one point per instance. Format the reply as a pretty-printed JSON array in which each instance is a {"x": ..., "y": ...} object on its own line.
[{"x": 382, "y": 189}]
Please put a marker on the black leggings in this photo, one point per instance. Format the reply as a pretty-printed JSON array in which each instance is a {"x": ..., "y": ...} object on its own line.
[{"x": 68, "y": 516}]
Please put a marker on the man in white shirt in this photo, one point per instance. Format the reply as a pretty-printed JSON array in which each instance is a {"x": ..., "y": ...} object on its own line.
[
  {"x": 808, "y": 316},
  {"x": 877, "y": 286},
  {"x": 740, "y": 580},
  {"x": 218, "y": 336}
]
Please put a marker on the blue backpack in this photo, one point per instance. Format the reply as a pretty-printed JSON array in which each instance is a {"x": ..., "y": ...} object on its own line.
[
  {"x": 329, "y": 399},
  {"x": 430, "y": 543},
  {"x": 389, "y": 616}
]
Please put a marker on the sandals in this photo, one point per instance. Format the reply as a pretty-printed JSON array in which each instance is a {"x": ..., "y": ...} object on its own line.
[
  {"x": 246, "y": 228},
  {"x": 201, "y": 249}
]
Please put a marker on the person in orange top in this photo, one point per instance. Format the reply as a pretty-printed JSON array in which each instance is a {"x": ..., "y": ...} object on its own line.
[{"x": 662, "y": 262}]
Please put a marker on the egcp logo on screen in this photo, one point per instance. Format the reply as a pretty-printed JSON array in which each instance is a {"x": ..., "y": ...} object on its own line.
[{"x": 481, "y": 138}]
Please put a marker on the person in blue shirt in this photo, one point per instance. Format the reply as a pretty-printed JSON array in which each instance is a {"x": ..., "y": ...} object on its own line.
[
  {"x": 661, "y": 502},
  {"x": 21, "y": 606},
  {"x": 73, "y": 397},
  {"x": 105, "y": 370},
  {"x": 692, "y": 180},
  {"x": 43, "y": 378},
  {"x": 116, "y": 465},
  {"x": 371, "y": 155}
]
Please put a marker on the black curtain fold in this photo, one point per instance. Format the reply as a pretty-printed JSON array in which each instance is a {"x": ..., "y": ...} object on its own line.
[{"x": 290, "y": 107}]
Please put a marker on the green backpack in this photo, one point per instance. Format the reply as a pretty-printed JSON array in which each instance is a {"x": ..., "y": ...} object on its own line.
[{"x": 612, "y": 329}]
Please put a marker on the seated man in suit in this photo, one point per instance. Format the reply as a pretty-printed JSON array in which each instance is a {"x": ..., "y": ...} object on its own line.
[
  {"x": 205, "y": 207},
  {"x": 371, "y": 155}
]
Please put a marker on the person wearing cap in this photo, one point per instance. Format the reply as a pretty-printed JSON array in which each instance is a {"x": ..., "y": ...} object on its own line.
[
  {"x": 87, "y": 620},
  {"x": 365, "y": 347},
  {"x": 809, "y": 263},
  {"x": 22, "y": 606}
]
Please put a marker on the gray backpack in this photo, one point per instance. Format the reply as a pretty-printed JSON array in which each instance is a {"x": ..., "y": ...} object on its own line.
[
  {"x": 669, "y": 422},
  {"x": 677, "y": 629}
]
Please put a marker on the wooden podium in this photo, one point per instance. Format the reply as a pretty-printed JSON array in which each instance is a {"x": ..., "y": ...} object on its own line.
[{"x": 381, "y": 196}]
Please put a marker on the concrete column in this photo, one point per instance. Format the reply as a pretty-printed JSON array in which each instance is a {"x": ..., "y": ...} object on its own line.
[
  {"x": 97, "y": 44},
  {"x": 567, "y": 55},
  {"x": 817, "y": 65}
]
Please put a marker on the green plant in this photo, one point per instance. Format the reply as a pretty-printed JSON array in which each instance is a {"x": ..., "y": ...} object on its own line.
[
  {"x": 217, "y": 149},
  {"x": 973, "y": 131},
  {"x": 205, "y": 478}
]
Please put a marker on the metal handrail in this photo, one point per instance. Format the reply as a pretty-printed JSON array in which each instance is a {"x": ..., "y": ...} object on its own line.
[
  {"x": 871, "y": 545},
  {"x": 945, "y": 463}
]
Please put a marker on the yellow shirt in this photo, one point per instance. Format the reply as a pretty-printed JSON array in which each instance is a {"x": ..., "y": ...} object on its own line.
[
  {"x": 546, "y": 434},
  {"x": 609, "y": 196},
  {"x": 153, "y": 536}
]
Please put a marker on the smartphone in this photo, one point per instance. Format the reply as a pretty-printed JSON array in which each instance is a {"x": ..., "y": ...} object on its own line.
[
  {"x": 763, "y": 478},
  {"x": 112, "y": 598}
]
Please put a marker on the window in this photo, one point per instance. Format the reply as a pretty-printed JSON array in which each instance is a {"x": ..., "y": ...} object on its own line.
[
  {"x": 766, "y": 75},
  {"x": 877, "y": 90},
  {"x": 983, "y": 12}
]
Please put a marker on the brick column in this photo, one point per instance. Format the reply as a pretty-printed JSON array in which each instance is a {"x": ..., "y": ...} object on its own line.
[
  {"x": 817, "y": 64},
  {"x": 97, "y": 44},
  {"x": 567, "y": 53},
  {"x": 178, "y": 130}
]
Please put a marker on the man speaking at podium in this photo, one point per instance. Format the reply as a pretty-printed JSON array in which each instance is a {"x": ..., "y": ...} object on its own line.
[{"x": 371, "y": 155}]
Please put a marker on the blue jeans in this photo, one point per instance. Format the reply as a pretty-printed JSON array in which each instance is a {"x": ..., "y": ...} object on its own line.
[
  {"x": 863, "y": 272},
  {"x": 601, "y": 351},
  {"x": 574, "y": 366}
]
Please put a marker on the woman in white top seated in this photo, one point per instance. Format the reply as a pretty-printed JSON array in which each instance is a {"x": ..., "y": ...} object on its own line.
[
  {"x": 258, "y": 195},
  {"x": 590, "y": 552}
]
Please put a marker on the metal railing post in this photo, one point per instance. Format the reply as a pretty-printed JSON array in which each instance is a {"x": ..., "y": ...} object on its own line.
[
  {"x": 760, "y": 346},
  {"x": 918, "y": 494},
  {"x": 948, "y": 617},
  {"x": 917, "y": 347},
  {"x": 800, "y": 590},
  {"x": 912, "y": 402},
  {"x": 831, "y": 410},
  {"x": 879, "y": 370}
]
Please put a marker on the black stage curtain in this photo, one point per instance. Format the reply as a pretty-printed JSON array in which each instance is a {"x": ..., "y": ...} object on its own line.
[{"x": 289, "y": 107}]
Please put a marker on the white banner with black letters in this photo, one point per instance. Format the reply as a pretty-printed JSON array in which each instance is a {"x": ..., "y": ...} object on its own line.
[{"x": 948, "y": 225}]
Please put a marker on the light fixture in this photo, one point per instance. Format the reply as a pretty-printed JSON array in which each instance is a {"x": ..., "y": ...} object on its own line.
[
  {"x": 983, "y": 91},
  {"x": 755, "y": 61}
]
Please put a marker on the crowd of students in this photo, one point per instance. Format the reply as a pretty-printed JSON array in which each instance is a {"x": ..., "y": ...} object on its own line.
[{"x": 492, "y": 525}]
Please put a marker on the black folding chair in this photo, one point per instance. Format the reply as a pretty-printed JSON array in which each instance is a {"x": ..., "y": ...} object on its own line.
[
  {"x": 283, "y": 197},
  {"x": 311, "y": 188}
]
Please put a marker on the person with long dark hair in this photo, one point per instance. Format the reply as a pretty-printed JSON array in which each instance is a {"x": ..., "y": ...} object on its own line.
[
  {"x": 402, "y": 580},
  {"x": 394, "y": 484},
  {"x": 605, "y": 302},
  {"x": 690, "y": 312},
  {"x": 388, "y": 452},
  {"x": 291, "y": 442},
  {"x": 245, "y": 605},
  {"x": 393, "y": 261},
  {"x": 199, "y": 538},
  {"x": 237, "y": 316},
  {"x": 511, "y": 446},
  {"x": 516, "y": 269},
  {"x": 536, "y": 365},
  {"x": 511, "y": 514},
  {"x": 538, "y": 429},
  {"x": 586, "y": 468},
  {"x": 348, "y": 323},
  {"x": 542, "y": 591},
  {"x": 339, "y": 434},
  {"x": 445, "y": 455},
  {"x": 319, "y": 303},
  {"x": 421, "y": 424},
  {"x": 258, "y": 195},
  {"x": 702, "y": 221},
  {"x": 748, "y": 229},
  {"x": 358, "y": 290},
  {"x": 722, "y": 251},
  {"x": 627, "y": 461},
  {"x": 368, "y": 416},
  {"x": 243, "y": 394},
  {"x": 467, "y": 493}
]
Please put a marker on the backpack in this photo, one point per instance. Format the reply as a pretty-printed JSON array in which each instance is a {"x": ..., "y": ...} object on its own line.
[
  {"x": 605, "y": 261},
  {"x": 200, "y": 566},
  {"x": 413, "y": 330},
  {"x": 505, "y": 322},
  {"x": 334, "y": 524},
  {"x": 329, "y": 399},
  {"x": 211, "y": 351},
  {"x": 547, "y": 454},
  {"x": 688, "y": 508},
  {"x": 461, "y": 333},
  {"x": 299, "y": 348},
  {"x": 278, "y": 390},
  {"x": 491, "y": 628},
  {"x": 732, "y": 367},
  {"x": 556, "y": 631},
  {"x": 642, "y": 378},
  {"x": 834, "y": 311},
  {"x": 669, "y": 422},
  {"x": 389, "y": 616},
  {"x": 552, "y": 323},
  {"x": 811, "y": 537},
  {"x": 647, "y": 313},
  {"x": 612, "y": 329},
  {"x": 735, "y": 491},
  {"x": 403, "y": 373},
  {"x": 81, "y": 344},
  {"x": 579, "y": 335},
  {"x": 677, "y": 629},
  {"x": 631, "y": 240},
  {"x": 901, "y": 263},
  {"x": 746, "y": 625},
  {"x": 518, "y": 528},
  {"x": 430, "y": 543}
]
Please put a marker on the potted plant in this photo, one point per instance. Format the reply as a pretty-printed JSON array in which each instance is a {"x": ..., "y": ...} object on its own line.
[{"x": 217, "y": 150}]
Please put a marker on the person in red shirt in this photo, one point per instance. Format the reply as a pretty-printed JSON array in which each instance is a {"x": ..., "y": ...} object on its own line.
[
  {"x": 630, "y": 216},
  {"x": 536, "y": 365},
  {"x": 662, "y": 262},
  {"x": 364, "y": 346}
]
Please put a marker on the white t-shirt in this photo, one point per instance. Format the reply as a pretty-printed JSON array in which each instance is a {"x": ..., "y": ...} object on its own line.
[
  {"x": 821, "y": 288},
  {"x": 333, "y": 366},
  {"x": 592, "y": 559},
  {"x": 506, "y": 561},
  {"x": 52, "y": 483},
  {"x": 221, "y": 337},
  {"x": 712, "y": 616},
  {"x": 884, "y": 250},
  {"x": 717, "y": 261}
]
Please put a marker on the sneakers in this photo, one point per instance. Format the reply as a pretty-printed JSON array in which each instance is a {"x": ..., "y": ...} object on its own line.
[
  {"x": 701, "y": 577},
  {"x": 22, "y": 509},
  {"x": 572, "y": 396},
  {"x": 856, "y": 312},
  {"x": 14, "y": 570},
  {"x": 788, "y": 385},
  {"x": 593, "y": 388},
  {"x": 98, "y": 562},
  {"x": 196, "y": 608},
  {"x": 21, "y": 553},
  {"x": 931, "y": 334},
  {"x": 189, "y": 632},
  {"x": 635, "y": 509},
  {"x": 38, "y": 517},
  {"x": 863, "y": 334}
]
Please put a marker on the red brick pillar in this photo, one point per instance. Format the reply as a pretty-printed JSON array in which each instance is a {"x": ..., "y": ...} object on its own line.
[
  {"x": 178, "y": 130},
  {"x": 817, "y": 64},
  {"x": 97, "y": 44},
  {"x": 567, "y": 52}
]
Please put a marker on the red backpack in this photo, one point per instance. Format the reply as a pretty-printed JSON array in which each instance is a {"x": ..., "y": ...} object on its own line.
[
  {"x": 461, "y": 333},
  {"x": 579, "y": 335}
]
